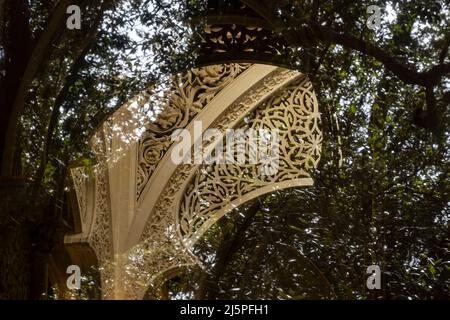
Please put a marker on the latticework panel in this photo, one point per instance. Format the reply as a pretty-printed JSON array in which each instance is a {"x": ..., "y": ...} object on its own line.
[
  {"x": 292, "y": 113},
  {"x": 230, "y": 31},
  {"x": 198, "y": 195},
  {"x": 79, "y": 178},
  {"x": 96, "y": 220},
  {"x": 229, "y": 42}
]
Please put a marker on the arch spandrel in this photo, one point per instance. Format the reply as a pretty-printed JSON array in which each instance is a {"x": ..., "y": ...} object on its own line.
[{"x": 219, "y": 188}]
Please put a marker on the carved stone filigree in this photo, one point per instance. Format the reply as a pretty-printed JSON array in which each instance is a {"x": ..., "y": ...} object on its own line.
[
  {"x": 100, "y": 237},
  {"x": 222, "y": 38},
  {"x": 97, "y": 223},
  {"x": 294, "y": 113},
  {"x": 79, "y": 178},
  {"x": 165, "y": 204},
  {"x": 174, "y": 106},
  {"x": 160, "y": 248}
]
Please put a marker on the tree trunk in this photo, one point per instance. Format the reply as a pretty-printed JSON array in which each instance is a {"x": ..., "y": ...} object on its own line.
[
  {"x": 15, "y": 242},
  {"x": 25, "y": 241}
]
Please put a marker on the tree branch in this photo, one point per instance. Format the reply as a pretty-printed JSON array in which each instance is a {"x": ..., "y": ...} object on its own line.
[
  {"x": 226, "y": 251},
  {"x": 310, "y": 30},
  {"x": 70, "y": 80},
  {"x": 38, "y": 55}
]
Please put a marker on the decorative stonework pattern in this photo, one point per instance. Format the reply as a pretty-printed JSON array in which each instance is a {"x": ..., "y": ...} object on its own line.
[
  {"x": 294, "y": 112},
  {"x": 161, "y": 248},
  {"x": 101, "y": 235},
  {"x": 222, "y": 38},
  {"x": 79, "y": 179},
  {"x": 174, "y": 106},
  {"x": 165, "y": 206}
]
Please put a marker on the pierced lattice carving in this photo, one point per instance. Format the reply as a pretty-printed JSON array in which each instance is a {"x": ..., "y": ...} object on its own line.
[
  {"x": 97, "y": 229},
  {"x": 79, "y": 178},
  {"x": 100, "y": 237},
  {"x": 294, "y": 113},
  {"x": 174, "y": 106},
  {"x": 225, "y": 38},
  {"x": 246, "y": 40}
]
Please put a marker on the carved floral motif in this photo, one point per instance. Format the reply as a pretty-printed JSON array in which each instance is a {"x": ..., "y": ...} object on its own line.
[{"x": 177, "y": 104}]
